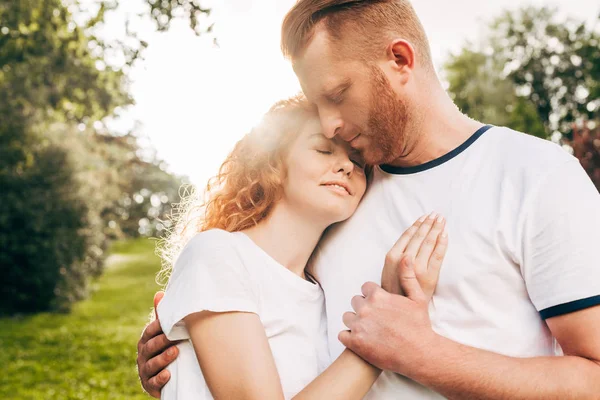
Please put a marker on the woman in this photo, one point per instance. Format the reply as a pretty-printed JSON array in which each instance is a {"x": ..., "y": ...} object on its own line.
[{"x": 240, "y": 296}]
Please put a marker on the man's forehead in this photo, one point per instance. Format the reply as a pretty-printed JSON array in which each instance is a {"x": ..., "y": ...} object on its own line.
[{"x": 316, "y": 57}]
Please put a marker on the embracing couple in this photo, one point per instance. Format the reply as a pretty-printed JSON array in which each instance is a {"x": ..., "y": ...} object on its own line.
[{"x": 274, "y": 297}]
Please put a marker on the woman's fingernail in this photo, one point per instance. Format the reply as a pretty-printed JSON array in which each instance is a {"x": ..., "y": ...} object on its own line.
[
  {"x": 422, "y": 218},
  {"x": 433, "y": 215},
  {"x": 171, "y": 352},
  {"x": 440, "y": 218}
]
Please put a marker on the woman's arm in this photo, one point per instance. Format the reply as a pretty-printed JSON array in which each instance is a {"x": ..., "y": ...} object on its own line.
[
  {"x": 237, "y": 363},
  {"x": 234, "y": 354},
  {"x": 348, "y": 377}
]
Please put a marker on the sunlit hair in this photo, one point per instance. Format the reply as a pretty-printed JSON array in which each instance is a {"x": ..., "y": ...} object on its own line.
[
  {"x": 364, "y": 26},
  {"x": 247, "y": 186}
]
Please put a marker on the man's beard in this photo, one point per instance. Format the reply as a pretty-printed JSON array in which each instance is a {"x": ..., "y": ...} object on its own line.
[{"x": 387, "y": 122}]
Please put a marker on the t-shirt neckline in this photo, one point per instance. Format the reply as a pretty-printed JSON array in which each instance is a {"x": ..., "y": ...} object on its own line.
[{"x": 438, "y": 161}]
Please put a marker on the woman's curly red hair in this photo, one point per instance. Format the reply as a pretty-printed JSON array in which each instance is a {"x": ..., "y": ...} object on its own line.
[{"x": 248, "y": 184}]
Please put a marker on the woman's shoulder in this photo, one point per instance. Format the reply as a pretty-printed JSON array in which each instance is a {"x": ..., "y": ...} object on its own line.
[
  {"x": 212, "y": 238},
  {"x": 212, "y": 244}
]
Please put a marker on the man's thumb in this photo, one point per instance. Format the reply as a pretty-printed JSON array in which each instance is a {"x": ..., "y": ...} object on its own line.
[
  {"x": 408, "y": 280},
  {"x": 157, "y": 298}
]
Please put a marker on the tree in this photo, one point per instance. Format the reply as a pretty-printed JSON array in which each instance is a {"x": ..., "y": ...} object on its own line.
[
  {"x": 62, "y": 175},
  {"x": 531, "y": 72}
]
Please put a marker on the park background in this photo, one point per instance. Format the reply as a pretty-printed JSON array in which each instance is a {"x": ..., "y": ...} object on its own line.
[{"x": 109, "y": 107}]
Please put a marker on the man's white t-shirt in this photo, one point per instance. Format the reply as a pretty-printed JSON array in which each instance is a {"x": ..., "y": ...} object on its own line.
[
  {"x": 221, "y": 271},
  {"x": 523, "y": 221}
]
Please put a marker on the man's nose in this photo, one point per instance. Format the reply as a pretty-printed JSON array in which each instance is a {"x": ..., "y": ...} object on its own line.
[{"x": 331, "y": 123}]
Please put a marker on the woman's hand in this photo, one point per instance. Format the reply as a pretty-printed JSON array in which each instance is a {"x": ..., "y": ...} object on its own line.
[{"x": 425, "y": 242}]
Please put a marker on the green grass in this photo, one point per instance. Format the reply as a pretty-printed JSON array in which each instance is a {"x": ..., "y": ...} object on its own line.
[{"x": 89, "y": 353}]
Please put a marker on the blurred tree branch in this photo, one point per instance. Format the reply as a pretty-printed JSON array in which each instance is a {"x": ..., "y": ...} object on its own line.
[{"x": 532, "y": 72}]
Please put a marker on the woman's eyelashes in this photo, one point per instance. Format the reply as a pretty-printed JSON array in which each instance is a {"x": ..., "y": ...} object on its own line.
[
  {"x": 357, "y": 162},
  {"x": 324, "y": 151}
]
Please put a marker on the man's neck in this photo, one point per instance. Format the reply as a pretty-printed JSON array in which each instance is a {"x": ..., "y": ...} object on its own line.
[{"x": 441, "y": 129}]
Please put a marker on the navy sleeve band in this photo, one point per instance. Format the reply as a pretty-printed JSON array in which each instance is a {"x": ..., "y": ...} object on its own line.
[{"x": 569, "y": 307}]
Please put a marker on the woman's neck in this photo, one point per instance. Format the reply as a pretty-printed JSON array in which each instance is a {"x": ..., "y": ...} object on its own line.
[{"x": 288, "y": 237}]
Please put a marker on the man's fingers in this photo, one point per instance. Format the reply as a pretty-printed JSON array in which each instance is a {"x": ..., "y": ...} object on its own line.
[
  {"x": 152, "y": 329},
  {"x": 156, "y": 383},
  {"x": 156, "y": 364},
  {"x": 155, "y": 346},
  {"x": 345, "y": 337},
  {"x": 428, "y": 244},
  {"x": 158, "y": 296},
  {"x": 349, "y": 319},
  {"x": 357, "y": 303},
  {"x": 408, "y": 280},
  {"x": 369, "y": 288}
]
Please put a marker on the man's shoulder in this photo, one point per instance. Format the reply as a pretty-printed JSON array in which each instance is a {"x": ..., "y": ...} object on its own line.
[{"x": 524, "y": 153}]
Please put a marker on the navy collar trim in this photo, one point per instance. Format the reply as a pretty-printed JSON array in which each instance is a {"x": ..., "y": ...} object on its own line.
[{"x": 438, "y": 161}]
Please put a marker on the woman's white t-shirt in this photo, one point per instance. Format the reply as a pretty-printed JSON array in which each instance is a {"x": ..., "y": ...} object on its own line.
[{"x": 221, "y": 271}]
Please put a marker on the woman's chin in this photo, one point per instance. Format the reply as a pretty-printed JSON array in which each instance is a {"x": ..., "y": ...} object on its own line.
[{"x": 335, "y": 214}]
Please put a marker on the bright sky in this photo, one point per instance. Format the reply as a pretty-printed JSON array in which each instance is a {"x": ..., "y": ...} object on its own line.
[{"x": 195, "y": 100}]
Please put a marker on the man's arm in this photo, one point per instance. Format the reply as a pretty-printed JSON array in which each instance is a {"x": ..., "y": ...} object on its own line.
[
  {"x": 464, "y": 372},
  {"x": 400, "y": 339},
  {"x": 155, "y": 353}
]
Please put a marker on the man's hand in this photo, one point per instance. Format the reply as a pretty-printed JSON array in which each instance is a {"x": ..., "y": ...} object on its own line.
[
  {"x": 155, "y": 353},
  {"x": 390, "y": 331}
]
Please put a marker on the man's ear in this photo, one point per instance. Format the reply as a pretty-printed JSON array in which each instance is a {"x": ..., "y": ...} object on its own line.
[{"x": 401, "y": 55}]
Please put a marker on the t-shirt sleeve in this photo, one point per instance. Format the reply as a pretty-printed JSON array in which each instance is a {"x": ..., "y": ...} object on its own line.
[
  {"x": 208, "y": 275},
  {"x": 561, "y": 266}
]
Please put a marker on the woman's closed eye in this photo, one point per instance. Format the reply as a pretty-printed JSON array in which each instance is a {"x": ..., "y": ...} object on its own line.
[{"x": 324, "y": 151}]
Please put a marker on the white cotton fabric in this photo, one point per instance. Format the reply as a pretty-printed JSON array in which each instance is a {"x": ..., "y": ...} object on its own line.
[
  {"x": 220, "y": 271},
  {"x": 523, "y": 220}
]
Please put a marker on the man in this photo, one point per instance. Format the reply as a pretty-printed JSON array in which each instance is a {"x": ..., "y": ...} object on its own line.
[{"x": 521, "y": 275}]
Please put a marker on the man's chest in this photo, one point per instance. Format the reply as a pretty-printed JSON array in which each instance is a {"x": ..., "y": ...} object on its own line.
[{"x": 480, "y": 283}]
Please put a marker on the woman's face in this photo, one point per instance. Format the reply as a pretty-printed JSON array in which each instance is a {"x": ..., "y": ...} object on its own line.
[{"x": 325, "y": 178}]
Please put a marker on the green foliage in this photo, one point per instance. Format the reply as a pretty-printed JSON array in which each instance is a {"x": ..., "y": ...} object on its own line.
[
  {"x": 44, "y": 218},
  {"x": 531, "y": 72},
  {"x": 163, "y": 12},
  {"x": 65, "y": 179},
  {"x": 90, "y": 353}
]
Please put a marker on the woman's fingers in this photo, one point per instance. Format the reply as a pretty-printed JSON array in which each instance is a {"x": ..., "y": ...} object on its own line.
[
  {"x": 438, "y": 254},
  {"x": 389, "y": 275},
  {"x": 415, "y": 242},
  {"x": 428, "y": 244},
  {"x": 398, "y": 249}
]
